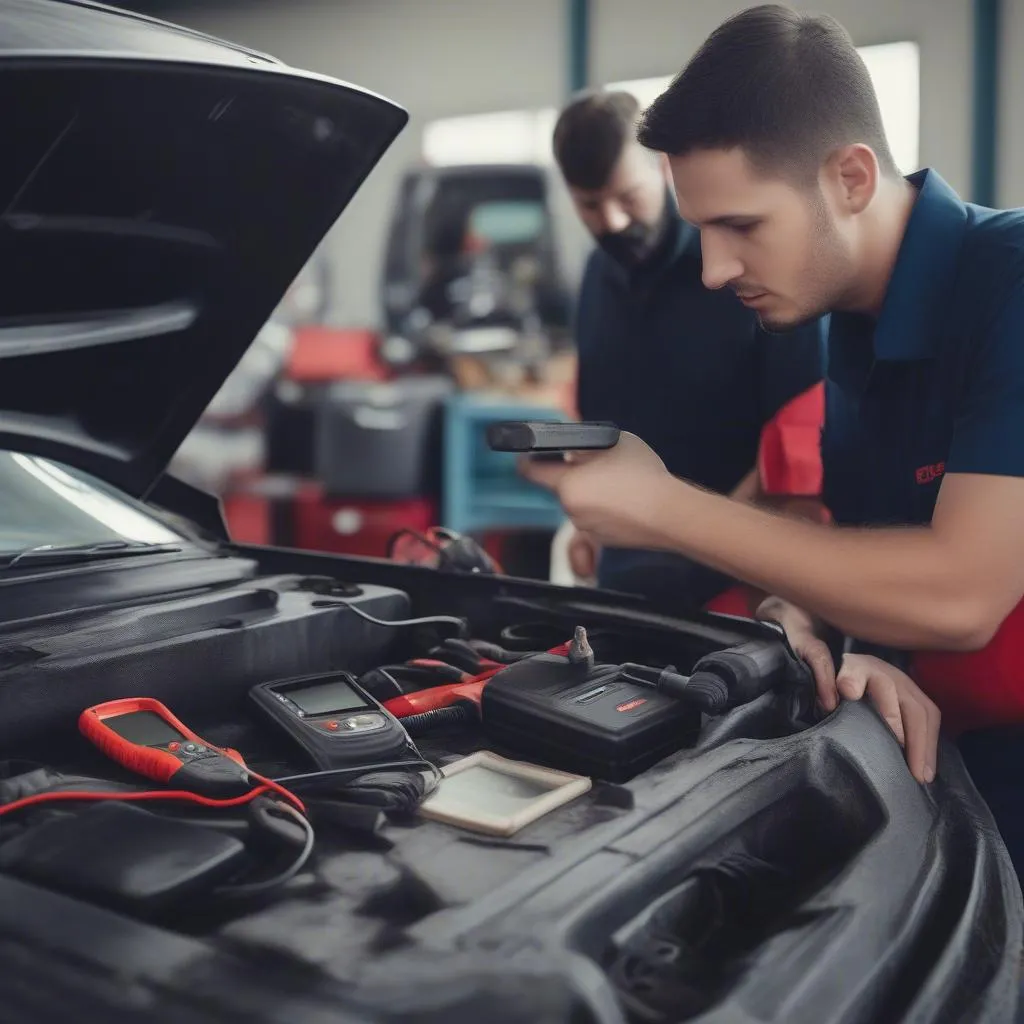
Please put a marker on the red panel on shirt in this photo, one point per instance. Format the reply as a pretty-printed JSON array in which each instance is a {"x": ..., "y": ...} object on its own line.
[
  {"x": 979, "y": 688},
  {"x": 789, "y": 460}
]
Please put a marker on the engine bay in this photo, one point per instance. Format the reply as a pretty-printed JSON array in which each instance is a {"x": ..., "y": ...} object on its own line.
[{"x": 727, "y": 837}]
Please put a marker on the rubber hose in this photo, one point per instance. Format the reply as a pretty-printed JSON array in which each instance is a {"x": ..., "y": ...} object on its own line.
[{"x": 439, "y": 718}]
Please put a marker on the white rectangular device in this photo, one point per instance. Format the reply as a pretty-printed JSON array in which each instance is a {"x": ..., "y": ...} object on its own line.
[{"x": 493, "y": 795}]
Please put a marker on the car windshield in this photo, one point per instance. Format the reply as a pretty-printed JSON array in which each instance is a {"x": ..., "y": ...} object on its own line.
[{"x": 45, "y": 503}]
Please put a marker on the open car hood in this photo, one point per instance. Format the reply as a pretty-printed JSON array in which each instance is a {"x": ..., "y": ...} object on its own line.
[{"x": 159, "y": 191}]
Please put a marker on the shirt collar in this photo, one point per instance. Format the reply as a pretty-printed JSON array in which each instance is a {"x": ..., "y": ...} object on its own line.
[{"x": 916, "y": 300}]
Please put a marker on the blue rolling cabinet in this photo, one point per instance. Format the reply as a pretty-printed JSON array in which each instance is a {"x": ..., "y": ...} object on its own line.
[{"x": 482, "y": 489}]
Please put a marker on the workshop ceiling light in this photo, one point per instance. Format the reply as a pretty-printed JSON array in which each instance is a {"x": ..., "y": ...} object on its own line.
[{"x": 504, "y": 137}]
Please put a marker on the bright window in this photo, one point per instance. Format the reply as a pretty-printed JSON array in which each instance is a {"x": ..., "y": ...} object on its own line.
[
  {"x": 508, "y": 137},
  {"x": 895, "y": 69},
  {"x": 895, "y": 72}
]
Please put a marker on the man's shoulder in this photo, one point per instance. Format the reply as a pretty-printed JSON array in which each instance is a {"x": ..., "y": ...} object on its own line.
[
  {"x": 597, "y": 303},
  {"x": 995, "y": 227},
  {"x": 992, "y": 258},
  {"x": 597, "y": 267}
]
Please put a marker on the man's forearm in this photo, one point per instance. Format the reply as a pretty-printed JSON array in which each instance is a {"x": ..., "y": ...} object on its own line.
[
  {"x": 749, "y": 488},
  {"x": 889, "y": 586}
]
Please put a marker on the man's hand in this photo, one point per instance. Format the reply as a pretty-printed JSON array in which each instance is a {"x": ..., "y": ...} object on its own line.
[
  {"x": 801, "y": 630},
  {"x": 583, "y": 553},
  {"x": 912, "y": 716},
  {"x": 608, "y": 494}
]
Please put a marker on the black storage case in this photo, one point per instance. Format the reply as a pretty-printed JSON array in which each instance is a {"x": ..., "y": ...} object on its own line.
[{"x": 375, "y": 440}]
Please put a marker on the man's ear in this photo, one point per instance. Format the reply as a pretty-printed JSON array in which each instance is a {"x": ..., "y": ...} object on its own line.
[
  {"x": 851, "y": 176},
  {"x": 666, "y": 171},
  {"x": 666, "y": 175}
]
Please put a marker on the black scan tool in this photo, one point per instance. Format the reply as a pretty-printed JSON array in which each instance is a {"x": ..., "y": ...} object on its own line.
[
  {"x": 334, "y": 720},
  {"x": 542, "y": 437}
]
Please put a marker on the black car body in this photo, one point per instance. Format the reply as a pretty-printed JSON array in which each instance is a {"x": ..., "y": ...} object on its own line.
[{"x": 160, "y": 191}]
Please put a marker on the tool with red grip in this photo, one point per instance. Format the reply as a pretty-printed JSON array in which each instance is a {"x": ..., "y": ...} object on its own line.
[
  {"x": 437, "y": 697},
  {"x": 422, "y": 701},
  {"x": 143, "y": 736}
]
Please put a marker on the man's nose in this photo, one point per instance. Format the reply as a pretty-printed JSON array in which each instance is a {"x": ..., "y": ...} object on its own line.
[
  {"x": 720, "y": 266},
  {"x": 614, "y": 218}
]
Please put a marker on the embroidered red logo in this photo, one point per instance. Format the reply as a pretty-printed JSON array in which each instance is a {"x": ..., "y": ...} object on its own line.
[
  {"x": 630, "y": 704},
  {"x": 927, "y": 474}
]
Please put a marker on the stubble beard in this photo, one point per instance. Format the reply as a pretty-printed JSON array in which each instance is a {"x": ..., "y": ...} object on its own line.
[{"x": 827, "y": 268}]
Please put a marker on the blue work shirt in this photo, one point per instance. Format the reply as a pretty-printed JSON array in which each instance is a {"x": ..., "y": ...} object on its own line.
[
  {"x": 936, "y": 386},
  {"x": 686, "y": 369}
]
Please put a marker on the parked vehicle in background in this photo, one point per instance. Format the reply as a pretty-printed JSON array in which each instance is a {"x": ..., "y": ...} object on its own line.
[{"x": 473, "y": 266}]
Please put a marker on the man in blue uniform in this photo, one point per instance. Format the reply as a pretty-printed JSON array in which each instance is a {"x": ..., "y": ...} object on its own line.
[
  {"x": 687, "y": 369},
  {"x": 778, "y": 155}
]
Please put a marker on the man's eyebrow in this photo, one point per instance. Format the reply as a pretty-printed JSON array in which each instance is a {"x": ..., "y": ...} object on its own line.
[{"x": 727, "y": 220}]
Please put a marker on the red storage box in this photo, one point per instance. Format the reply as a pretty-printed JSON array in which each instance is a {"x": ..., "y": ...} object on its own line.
[
  {"x": 248, "y": 518},
  {"x": 321, "y": 354},
  {"x": 356, "y": 527}
]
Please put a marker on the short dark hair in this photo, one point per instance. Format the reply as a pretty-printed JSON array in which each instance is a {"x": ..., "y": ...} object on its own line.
[
  {"x": 787, "y": 88},
  {"x": 591, "y": 134}
]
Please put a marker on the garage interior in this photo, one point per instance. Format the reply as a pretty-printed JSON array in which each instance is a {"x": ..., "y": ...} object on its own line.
[
  {"x": 311, "y": 708},
  {"x": 349, "y": 420}
]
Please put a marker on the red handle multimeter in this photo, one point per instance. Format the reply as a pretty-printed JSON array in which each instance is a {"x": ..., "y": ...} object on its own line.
[{"x": 142, "y": 735}]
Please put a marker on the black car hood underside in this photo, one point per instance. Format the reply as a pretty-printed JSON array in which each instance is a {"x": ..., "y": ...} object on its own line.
[{"x": 159, "y": 192}]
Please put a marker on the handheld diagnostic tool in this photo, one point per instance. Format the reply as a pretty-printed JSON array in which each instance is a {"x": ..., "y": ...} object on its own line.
[
  {"x": 554, "y": 437},
  {"x": 143, "y": 736},
  {"x": 334, "y": 720}
]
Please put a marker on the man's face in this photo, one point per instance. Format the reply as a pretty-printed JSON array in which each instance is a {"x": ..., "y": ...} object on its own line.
[
  {"x": 778, "y": 246},
  {"x": 626, "y": 216}
]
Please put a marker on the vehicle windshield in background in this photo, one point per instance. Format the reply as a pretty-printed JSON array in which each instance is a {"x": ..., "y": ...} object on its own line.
[{"x": 44, "y": 503}]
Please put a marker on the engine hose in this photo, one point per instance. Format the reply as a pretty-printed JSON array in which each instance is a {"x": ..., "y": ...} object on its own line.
[{"x": 439, "y": 718}]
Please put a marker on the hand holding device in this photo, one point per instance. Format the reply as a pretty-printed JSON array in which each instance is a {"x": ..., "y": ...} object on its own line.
[{"x": 620, "y": 496}]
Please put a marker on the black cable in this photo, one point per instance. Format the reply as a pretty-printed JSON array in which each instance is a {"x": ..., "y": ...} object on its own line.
[
  {"x": 532, "y": 637},
  {"x": 368, "y": 681},
  {"x": 418, "y": 764},
  {"x": 394, "y": 785},
  {"x": 428, "y": 620},
  {"x": 703, "y": 690},
  {"x": 643, "y": 675},
  {"x": 398, "y": 792},
  {"x": 288, "y": 874}
]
